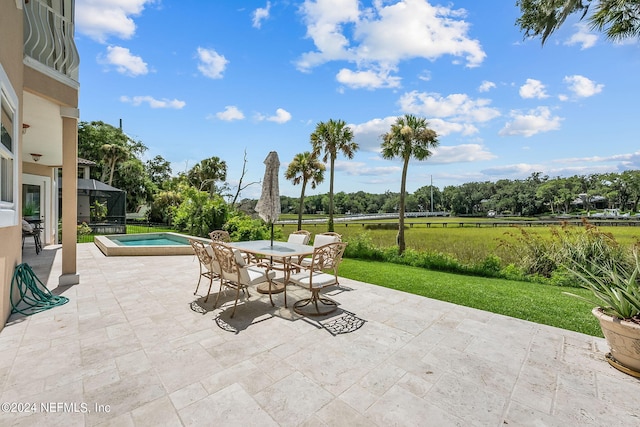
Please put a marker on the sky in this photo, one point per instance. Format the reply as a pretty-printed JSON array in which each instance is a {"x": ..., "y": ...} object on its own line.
[{"x": 238, "y": 79}]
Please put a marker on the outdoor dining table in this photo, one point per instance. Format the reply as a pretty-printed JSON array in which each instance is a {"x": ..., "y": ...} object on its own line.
[{"x": 283, "y": 252}]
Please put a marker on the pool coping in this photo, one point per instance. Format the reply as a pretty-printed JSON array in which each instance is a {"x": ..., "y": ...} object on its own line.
[{"x": 110, "y": 248}]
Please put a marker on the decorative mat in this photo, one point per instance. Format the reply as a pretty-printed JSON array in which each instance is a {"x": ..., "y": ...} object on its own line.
[{"x": 343, "y": 324}]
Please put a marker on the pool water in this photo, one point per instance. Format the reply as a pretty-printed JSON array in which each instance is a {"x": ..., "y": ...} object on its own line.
[
  {"x": 165, "y": 243},
  {"x": 160, "y": 241}
]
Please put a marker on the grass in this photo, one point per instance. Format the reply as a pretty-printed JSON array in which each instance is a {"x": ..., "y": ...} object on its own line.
[
  {"x": 467, "y": 244},
  {"x": 523, "y": 300}
]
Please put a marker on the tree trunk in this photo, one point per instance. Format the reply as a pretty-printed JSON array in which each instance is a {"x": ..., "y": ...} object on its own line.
[
  {"x": 113, "y": 168},
  {"x": 403, "y": 185},
  {"x": 330, "y": 228},
  {"x": 304, "y": 184}
]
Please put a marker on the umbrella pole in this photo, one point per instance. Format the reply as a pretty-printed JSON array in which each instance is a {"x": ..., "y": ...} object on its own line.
[{"x": 271, "y": 234}]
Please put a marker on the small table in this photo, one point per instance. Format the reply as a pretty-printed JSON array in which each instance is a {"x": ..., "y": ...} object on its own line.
[{"x": 284, "y": 251}]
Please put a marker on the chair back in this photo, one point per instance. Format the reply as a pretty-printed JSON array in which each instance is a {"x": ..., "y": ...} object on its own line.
[
  {"x": 220, "y": 236},
  {"x": 205, "y": 255},
  {"x": 324, "y": 239},
  {"x": 336, "y": 235},
  {"x": 201, "y": 252},
  {"x": 301, "y": 237},
  {"x": 226, "y": 259},
  {"x": 328, "y": 257}
]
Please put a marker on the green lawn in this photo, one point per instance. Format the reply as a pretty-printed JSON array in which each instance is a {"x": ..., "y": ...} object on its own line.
[
  {"x": 523, "y": 300},
  {"x": 467, "y": 244}
]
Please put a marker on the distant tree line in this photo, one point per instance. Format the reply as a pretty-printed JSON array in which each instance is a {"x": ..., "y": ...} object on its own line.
[{"x": 536, "y": 195}]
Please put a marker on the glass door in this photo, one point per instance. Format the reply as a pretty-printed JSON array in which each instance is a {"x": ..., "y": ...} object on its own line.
[
  {"x": 36, "y": 204},
  {"x": 32, "y": 202}
]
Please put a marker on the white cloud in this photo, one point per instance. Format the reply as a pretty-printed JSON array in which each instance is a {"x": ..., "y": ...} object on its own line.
[
  {"x": 260, "y": 14},
  {"x": 281, "y": 116},
  {"x": 154, "y": 103},
  {"x": 463, "y": 153},
  {"x": 381, "y": 36},
  {"x": 514, "y": 171},
  {"x": 524, "y": 170},
  {"x": 425, "y": 75},
  {"x": 354, "y": 168},
  {"x": 444, "y": 128},
  {"x": 625, "y": 161},
  {"x": 531, "y": 123},
  {"x": 486, "y": 86},
  {"x": 211, "y": 64},
  {"x": 100, "y": 19},
  {"x": 533, "y": 89},
  {"x": 125, "y": 62},
  {"x": 367, "y": 79},
  {"x": 457, "y": 107},
  {"x": 582, "y": 87},
  {"x": 230, "y": 113},
  {"x": 582, "y": 37},
  {"x": 368, "y": 134}
]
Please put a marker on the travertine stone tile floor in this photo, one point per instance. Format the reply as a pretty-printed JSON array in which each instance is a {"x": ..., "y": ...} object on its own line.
[{"x": 135, "y": 347}]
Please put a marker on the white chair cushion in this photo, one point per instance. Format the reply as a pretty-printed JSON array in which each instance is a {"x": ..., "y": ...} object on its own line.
[
  {"x": 26, "y": 226},
  {"x": 239, "y": 258},
  {"x": 323, "y": 239},
  {"x": 255, "y": 275},
  {"x": 300, "y": 239},
  {"x": 214, "y": 266},
  {"x": 320, "y": 280}
]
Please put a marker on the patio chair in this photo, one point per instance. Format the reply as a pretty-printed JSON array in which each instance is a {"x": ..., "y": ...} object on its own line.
[
  {"x": 223, "y": 236},
  {"x": 321, "y": 240},
  {"x": 236, "y": 274},
  {"x": 321, "y": 273},
  {"x": 220, "y": 236},
  {"x": 209, "y": 267},
  {"x": 31, "y": 230},
  {"x": 301, "y": 236}
]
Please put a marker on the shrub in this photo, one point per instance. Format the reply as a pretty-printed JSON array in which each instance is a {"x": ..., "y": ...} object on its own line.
[
  {"x": 585, "y": 245},
  {"x": 361, "y": 246},
  {"x": 383, "y": 226},
  {"x": 242, "y": 227},
  {"x": 199, "y": 212},
  {"x": 164, "y": 206},
  {"x": 84, "y": 229}
]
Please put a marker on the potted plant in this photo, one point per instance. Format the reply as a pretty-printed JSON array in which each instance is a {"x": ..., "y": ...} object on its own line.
[{"x": 616, "y": 292}]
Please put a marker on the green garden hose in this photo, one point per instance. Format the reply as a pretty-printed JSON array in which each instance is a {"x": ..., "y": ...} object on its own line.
[{"x": 33, "y": 298}]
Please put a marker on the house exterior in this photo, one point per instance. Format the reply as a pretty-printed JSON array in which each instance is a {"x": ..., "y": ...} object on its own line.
[{"x": 39, "y": 89}]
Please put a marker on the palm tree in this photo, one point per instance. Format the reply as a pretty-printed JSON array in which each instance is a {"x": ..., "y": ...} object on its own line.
[
  {"x": 331, "y": 137},
  {"x": 113, "y": 154},
  {"x": 305, "y": 168},
  {"x": 409, "y": 137}
]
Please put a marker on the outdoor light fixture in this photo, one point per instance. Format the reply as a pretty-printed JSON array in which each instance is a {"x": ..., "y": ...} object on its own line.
[
  {"x": 35, "y": 156},
  {"x": 25, "y": 127}
]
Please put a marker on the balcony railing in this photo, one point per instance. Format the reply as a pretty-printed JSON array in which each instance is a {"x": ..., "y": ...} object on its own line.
[{"x": 48, "y": 38}]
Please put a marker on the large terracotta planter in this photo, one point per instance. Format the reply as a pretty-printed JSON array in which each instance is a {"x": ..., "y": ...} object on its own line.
[{"x": 623, "y": 338}]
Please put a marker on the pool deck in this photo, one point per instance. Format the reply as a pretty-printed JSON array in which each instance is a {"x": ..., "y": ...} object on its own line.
[{"x": 134, "y": 339}]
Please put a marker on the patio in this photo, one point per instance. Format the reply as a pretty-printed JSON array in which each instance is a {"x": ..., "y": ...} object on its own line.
[{"x": 134, "y": 346}]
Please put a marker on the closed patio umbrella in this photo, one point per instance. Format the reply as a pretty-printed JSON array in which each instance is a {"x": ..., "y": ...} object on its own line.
[{"x": 268, "y": 206}]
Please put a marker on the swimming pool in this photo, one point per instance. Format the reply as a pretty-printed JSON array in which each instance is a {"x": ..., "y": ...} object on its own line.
[{"x": 145, "y": 244}]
